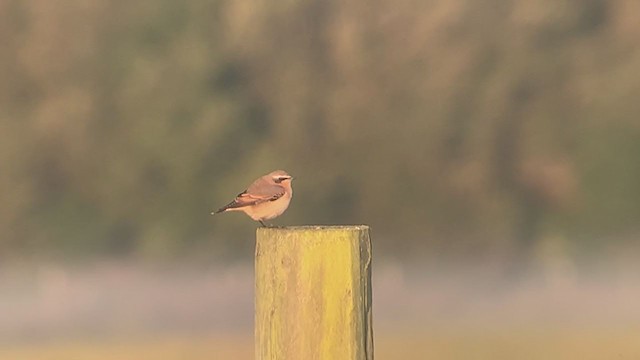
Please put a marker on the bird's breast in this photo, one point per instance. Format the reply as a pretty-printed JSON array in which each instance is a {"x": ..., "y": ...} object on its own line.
[{"x": 270, "y": 209}]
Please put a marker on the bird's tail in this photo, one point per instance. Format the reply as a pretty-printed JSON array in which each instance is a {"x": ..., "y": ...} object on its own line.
[
  {"x": 222, "y": 209},
  {"x": 231, "y": 205}
]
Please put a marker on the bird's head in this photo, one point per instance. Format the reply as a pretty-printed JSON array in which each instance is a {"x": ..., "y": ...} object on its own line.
[{"x": 280, "y": 176}]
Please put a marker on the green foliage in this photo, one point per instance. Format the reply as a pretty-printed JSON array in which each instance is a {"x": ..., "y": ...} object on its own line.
[{"x": 122, "y": 125}]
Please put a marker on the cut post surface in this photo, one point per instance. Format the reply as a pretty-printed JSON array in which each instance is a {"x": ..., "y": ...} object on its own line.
[{"x": 313, "y": 293}]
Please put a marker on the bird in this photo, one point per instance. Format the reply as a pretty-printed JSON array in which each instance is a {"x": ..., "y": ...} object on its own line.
[{"x": 266, "y": 198}]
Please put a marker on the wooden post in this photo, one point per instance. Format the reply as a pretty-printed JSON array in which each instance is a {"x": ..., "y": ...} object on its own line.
[{"x": 313, "y": 293}]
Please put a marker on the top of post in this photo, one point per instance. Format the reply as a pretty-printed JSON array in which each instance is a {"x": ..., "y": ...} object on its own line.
[
  {"x": 306, "y": 230},
  {"x": 313, "y": 228}
]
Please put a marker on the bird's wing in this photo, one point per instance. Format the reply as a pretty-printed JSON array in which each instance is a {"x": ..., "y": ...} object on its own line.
[
  {"x": 261, "y": 193},
  {"x": 254, "y": 196},
  {"x": 262, "y": 190}
]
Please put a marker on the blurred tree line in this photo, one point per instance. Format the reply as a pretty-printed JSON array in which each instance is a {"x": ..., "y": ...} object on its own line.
[{"x": 447, "y": 125}]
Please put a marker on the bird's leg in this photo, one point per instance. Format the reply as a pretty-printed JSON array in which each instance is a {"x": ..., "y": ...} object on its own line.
[{"x": 267, "y": 225}]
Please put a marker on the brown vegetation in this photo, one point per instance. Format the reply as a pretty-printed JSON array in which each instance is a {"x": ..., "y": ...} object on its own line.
[{"x": 124, "y": 123}]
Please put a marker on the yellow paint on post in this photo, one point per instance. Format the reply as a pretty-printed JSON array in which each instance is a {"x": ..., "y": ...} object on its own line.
[{"x": 313, "y": 293}]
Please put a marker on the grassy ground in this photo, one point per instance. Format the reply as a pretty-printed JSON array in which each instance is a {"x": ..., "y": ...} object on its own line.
[
  {"x": 83, "y": 314},
  {"x": 523, "y": 344}
]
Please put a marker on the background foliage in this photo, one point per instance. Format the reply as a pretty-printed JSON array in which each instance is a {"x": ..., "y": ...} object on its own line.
[{"x": 449, "y": 126}]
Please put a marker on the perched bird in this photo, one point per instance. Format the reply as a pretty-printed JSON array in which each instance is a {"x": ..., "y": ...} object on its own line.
[{"x": 267, "y": 198}]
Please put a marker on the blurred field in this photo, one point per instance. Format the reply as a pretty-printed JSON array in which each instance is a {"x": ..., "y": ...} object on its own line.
[
  {"x": 495, "y": 344},
  {"x": 118, "y": 310}
]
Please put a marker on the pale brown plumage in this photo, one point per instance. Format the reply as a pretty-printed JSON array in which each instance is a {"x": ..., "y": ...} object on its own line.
[{"x": 266, "y": 198}]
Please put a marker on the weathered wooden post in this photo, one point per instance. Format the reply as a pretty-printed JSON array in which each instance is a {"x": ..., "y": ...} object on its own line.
[{"x": 313, "y": 293}]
